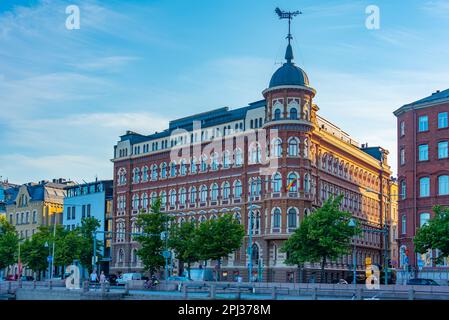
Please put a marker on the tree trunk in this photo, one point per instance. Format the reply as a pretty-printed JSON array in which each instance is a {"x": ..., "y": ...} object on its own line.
[
  {"x": 323, "y": 263},
  {"x": 188, "y": 270},
  {"x": 218, "y": 269}
]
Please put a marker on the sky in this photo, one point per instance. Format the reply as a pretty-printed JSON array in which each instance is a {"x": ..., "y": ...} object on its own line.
[{"x": 67, "y": 95}]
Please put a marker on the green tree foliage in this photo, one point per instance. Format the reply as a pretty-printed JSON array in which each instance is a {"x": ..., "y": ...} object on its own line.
[
  {"x": 323, "y": 235},
  {"x": 152, "y": 246},
  {"x": 8, "y": 243},
  {"x": 217, "y": 238},
  {"x": 183, "y": 240},
  {"x": 434, "y": 234},
  {"x": 86, "y": 241}
]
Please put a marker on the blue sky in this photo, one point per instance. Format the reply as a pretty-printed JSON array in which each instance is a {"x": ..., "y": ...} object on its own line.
[{"x": 66, "y": 95}]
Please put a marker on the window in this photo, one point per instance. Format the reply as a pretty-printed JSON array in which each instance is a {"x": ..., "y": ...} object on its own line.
[
  {"x": 292, "y": 181},
  {"x": 423, "y": 123},
  {"x": 238, "y": 157},
  {"x": 183, "y": 168},
  {"x": 255, "y": 154},
  {"x": 172, "y": 197},
  {"x": 276, "y": 184},
  {"x": 423, "y": 152},
  {"x": 442, "y": 149},
  {"x": 226, "y": 190},
  {"x": 402, "y": 156},
  {"x": 214, "y": 161},
  {"x": 423, "y": 219},
  {"x": 238, "y": 189},
  {"x": 83, "y": 211},
  {"x": 193, "y": 166},
  {"x": 277, "y": 148},
  {"x": 293, "y": 147},
  {"x": 145, "y": 201},
  {"x": 277, "y": 218},
  {"x": 153, "y": 198},
  {"x": 163, "y": 198},
  {"x": 403, "y": 224},
  {"x": 136, "y": 176},
  {"x": 135, "y": 202},
  {"x": 402, "y": 128},
  {"x": 203, "y": 164},
  {"x": 69, "y": 213},
  {"x": 182, "y": 196},
  {"x": 443, "y": 185},
  {"x": 164, "y": 170},
  {"x": 173, "y": 169},
  {"x": 424, "y": 187},
  {"x": 226, "y": 159},
  {"x": 306, "y": 182},
  {"x": 193, "y": 195},
  {"x": 145, "y": 173},
  {"x": 291, "y": 218},
  {"x": 203, "y": 194},
  {"x": 293, "y": 114},
  {"x": 442, "y": 120},
  {"x": 214, "y": 192},
  {"x": 403, "y": 189},
  {"x": 35, "y": 215},
  {"x": 277, "y": 114},
  {"x": 154, "y": 172}
]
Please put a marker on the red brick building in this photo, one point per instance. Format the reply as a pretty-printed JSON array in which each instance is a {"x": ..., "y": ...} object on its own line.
[
  {"x": 222, "y": 161},
  {"x": 423, "y": 172}
]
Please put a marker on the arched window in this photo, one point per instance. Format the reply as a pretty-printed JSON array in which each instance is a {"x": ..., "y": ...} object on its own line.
[
  {"x": 153, "y": 197},
  {"x": 276, "y": 147},
  {"x": 237, "y": 189},
  {"x": 277, "y": 114},
  {"x": 291, "y": 218},
  {"x": 214, "y": 192},
  {"x": 202, "y": 219},
  {"x": 135, "y": 202},
  {"x": 307, "y": 182},
  {"x": 163, "y": 198},
  {"x": 255, "y": 253},
  {"x": 145, "y": 201},
  {"x": 203, "y": 193},
  {"x": 154, "y": 172},
  {"x": 293, "y": 114},
  {"x": 173, "y": 169},
  {"x": 193, "y": 195},
  {"x": 203, "y": 163},
  {"x": 182, "y": 196},
  {"x": 443, "y": 185},
  {"x": 255, "y": 153},
  {"x": 277, "y": 218},
  {"x": 193, "y": 165},
  {"x": 293, "y": 147},
  {"x": 172, "y": 197},
  {"x": 183, "y": 167},
  {"x": 238, "y": 157},
  {"x": 276, "y": 183},
  {"x": 226, "y": 159},
  {"x": 136, "y": 176},
  {"x": 121, "y": 256},
  {"x": 292, "y": 182},
  {"x": 163, "y": 170},
  {"x": 226, "y": 190},
  {"x": 404, "y": 224},
  {"x": 145, "y": 173},
  {"x": 214, "y": 161}
]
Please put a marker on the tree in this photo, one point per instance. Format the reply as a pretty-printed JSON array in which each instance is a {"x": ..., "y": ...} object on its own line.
[
  {"x": 183, "y": 240},
  {"x": 434, "y": 234},
  {"x": 217, "y": 238},
  {"x": 8, "y": 243},
  {"x": 152, "y": 246},
  {"x": 86, "y": 232},
  {"x": 323, "y": 235}
]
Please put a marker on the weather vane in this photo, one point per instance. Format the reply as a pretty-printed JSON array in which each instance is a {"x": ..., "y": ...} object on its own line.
[{"x": 287, "y": 15}]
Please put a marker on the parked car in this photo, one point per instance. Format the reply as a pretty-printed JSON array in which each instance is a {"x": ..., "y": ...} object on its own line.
[
  {"x": 127, "y": 277},
  {"x": 112, "y": 279},
  {"x": 26, "y": 278},
  {"x": 422, "y": 282}
]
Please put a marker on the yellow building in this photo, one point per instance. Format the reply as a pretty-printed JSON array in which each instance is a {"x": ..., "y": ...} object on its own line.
[{"x": 394, "y": 248}]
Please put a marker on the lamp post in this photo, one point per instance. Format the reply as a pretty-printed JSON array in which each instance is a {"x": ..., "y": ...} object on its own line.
[
  {"x": 48, "y": 259},
  {"x": 353, "y": 224}
]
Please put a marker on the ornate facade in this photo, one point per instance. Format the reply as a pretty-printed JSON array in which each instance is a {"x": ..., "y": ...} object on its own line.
[{"x": 228, "y": 161}]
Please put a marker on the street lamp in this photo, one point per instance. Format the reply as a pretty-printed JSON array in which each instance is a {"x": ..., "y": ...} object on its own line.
[
  {"x": 48, "y": 258},
  {"x": 352, "y": 223}
]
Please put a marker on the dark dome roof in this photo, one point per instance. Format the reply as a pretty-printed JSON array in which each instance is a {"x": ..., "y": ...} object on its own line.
[{"x": 289, "y": 74}]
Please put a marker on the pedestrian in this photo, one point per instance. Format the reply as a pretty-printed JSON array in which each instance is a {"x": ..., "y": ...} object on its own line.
[
  {"x": 94, "y": 276},
  {"x": 102, "y": 277}
]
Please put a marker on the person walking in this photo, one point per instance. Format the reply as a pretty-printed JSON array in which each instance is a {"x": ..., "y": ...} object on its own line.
[
  {"x": 102, "y": 277},
  {"x": 94, "y": 276}
]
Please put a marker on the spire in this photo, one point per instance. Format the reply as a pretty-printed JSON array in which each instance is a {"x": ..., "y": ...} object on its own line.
[
  {"x": 289, "y": 16},
  {"x": 289, "y": 54}
]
